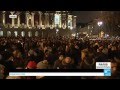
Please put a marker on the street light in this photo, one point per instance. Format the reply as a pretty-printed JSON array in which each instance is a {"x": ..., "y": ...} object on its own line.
[{"x": 100, "y": 23}]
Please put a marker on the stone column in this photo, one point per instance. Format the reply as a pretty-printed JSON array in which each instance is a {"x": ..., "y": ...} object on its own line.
[
  {"x": 53, "y": 22},
  {"x": 60, "y": 20},
  {"x": 27, "y": 24},
  {"x": 65, "y": 19},
  {"x": 13, "y": 19},
  {"x": 44, "y": 21},
  {"x": 51, "y": 19},
  {"x": 40, "y": 21},
  {"x": 74, "y": 22},
  {"x": 47, "y": 20},
  {"x": 3, "y": 13},
  {"x": 32, "y": 19},
  {"x": 18, "y": 19}
]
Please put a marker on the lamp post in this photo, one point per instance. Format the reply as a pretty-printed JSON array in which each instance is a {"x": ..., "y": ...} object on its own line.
[{"x": 99, "y": 24}]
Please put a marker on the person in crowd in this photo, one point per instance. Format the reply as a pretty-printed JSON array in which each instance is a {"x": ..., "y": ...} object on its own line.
[
  {"x": 40, "y": 54},
  {"x": 47, "y": 53},
  {"x": 102, "y": 55},
  {"x": 58, "y": 62},
  {"x": 2, "y": 67},
  {"x": 88, "y": 60},
  {"x": 31, "y": 65},
  {"x": 67, "y": 63},
  {"x": 43, "y": 65},
  {"x": 18, "y": 60}
]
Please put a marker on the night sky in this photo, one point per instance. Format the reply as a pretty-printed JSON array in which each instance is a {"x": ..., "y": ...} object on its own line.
[{"x": 86, "y": 16}]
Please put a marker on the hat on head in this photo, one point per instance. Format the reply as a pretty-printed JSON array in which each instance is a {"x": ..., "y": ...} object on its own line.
[
  {"x": 105, "y": 51},
  {"x": 43, "y": 65},
  {"x": 31, "y": 65}
]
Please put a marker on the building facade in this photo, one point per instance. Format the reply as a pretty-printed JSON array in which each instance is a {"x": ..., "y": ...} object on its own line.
[{"x": 36, "y": 23}]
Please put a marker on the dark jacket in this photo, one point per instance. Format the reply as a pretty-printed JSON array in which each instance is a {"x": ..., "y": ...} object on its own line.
[
  {"x": 57, "y": 64},
  {"x": 64, "y": 65},
  {"x": 102, "y": 58},
  {"x": 87, "y": 64}
]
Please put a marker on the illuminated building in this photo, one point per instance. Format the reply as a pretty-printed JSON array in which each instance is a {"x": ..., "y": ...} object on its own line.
[{"x": 36, "y": 23}]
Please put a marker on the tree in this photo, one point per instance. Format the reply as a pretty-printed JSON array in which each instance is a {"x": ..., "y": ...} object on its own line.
[{"x": 111, "y": 21}]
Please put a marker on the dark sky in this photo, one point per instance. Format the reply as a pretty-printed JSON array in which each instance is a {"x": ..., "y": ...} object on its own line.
[{"x": 86, "y": 16}]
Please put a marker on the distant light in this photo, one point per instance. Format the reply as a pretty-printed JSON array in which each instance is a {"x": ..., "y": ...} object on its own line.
[
  {"x": 73, "y": 35},
  {"x": 71, "y": 28},
  {"x": 100, "y": 23},
  {"x": 107, "y": 35},
  {"x": 57, "y": 30}
]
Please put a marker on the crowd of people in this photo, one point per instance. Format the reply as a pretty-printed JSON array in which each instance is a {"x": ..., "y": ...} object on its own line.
[{"x": 57, "y": 53}]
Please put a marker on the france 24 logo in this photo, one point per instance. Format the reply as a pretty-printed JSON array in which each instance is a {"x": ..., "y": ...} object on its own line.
[{"x": 107, "y": 72}]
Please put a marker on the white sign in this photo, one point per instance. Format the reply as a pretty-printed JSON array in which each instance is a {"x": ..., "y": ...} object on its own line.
[
  {"x": 12, "y": 16},
  {"x": 56, "y": 74},
  {"x": 103, "y": 65}
]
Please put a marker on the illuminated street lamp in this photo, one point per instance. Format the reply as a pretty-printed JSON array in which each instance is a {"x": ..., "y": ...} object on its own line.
[{"x": 100, "y": 23}]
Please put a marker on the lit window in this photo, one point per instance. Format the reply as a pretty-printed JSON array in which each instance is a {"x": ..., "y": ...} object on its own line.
[
  {"x": 29, "y": 34},
  {"x": 16, "y": 33},
  {"x": 36, "y": 33},
  {"x": 8, "y": 33},
  {"x": 22, "y": 33},
  {"x": 1, "y": 33}
]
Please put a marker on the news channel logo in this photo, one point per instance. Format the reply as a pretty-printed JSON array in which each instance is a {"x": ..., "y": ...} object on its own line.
[
  {"x": 107, "y": 72},
  {"x": 103, "y": 65}
]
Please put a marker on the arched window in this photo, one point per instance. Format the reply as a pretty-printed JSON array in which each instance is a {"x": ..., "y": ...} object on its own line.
[
  {"x": 15, "y": 33},
  {"x": 29, "y": 34},
  {"x": 36, "y": 33},
  {"x": 22, "y": 33},
  {"x": 8, "y": 33},
  {"x": 1, "y": 33}
]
